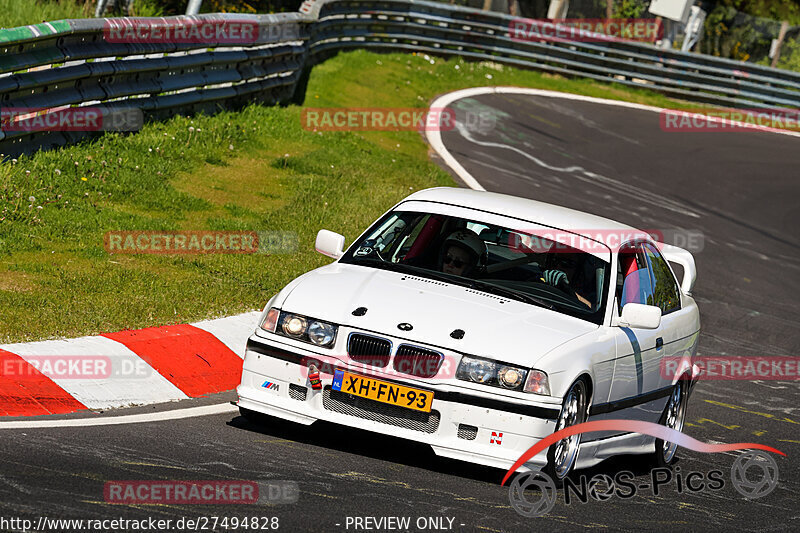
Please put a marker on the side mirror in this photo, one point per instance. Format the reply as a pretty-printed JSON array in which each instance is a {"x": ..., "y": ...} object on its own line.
[
  {"x": 640, "y": 316},
  {"x": 330, "y": 244}
]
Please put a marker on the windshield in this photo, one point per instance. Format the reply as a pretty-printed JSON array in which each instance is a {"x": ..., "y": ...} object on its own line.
[{"x": 515, "y": 264}]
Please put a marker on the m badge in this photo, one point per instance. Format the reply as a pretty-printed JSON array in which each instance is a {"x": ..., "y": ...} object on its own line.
[{"x": 271, "y": 385}]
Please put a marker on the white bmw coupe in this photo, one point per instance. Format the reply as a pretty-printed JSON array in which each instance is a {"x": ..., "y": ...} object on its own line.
[{"x": 479, "y": 323}]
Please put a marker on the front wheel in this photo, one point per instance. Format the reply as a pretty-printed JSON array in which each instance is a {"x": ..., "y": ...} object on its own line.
[
  {"x": 561, "y": 455},
  {"x": 672, "y": 417}
]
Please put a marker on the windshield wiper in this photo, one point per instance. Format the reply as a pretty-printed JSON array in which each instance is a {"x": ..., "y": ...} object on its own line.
[{"x": 510, "y": 293}]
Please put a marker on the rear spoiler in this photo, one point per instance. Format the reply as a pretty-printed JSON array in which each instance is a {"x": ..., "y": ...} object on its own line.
[{"x": 686, "y": 260}]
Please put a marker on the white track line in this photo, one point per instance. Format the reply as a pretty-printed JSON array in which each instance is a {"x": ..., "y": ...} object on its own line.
[
  {"x": 435, "y": 138},
  {"x": 176, "y": 414}
]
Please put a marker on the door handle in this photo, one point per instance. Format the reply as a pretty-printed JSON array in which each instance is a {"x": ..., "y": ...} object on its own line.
[{"x": 659, "y": 343}]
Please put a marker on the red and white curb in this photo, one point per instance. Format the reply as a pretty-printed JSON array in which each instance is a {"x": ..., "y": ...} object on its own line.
[{"x": 146, "y": 366}]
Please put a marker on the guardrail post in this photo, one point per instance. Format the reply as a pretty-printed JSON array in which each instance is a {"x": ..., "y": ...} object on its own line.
[
  {"x": 194, "y": 7},
  {"x": 101, "y": 8},
  {"x": 558, "y": 9},
  {"x": 781, "y": 37}
]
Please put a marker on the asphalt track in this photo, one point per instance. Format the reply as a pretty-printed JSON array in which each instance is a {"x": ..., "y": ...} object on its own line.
[{"x": 739, "y": 189}]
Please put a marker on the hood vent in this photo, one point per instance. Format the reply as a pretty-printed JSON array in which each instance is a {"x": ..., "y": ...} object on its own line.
[
  {"x": 457, "y": 334},
  {"x": 424, "y": 280},
  {"x": 489, "y": 295}
]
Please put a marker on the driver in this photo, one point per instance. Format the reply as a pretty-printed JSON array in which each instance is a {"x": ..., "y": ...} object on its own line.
[
  {"x": 461, "y": 253},
  {"x": 564, "y": 274}
]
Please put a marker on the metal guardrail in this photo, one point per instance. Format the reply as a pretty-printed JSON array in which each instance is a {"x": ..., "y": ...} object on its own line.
[
  {"x": 73, "y": 63},
  {"x": 451, "y": 30}
]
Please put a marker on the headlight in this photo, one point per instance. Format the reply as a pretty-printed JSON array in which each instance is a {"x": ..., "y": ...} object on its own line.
[
  {"x": 510, "y": 377},
  {"x": 478, "y": 370},
  {"x": 301, "y": 328},
  {"x": 537, "y": 383},
  {"x": 488, "y": 372},
  {"x": 294, "y": 326},
  {"x": 497, "y": 374},
  {"x": 321, "y": 334}
]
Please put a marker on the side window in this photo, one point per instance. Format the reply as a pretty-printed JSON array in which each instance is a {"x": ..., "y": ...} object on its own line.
[
  {"x": 666, "y": 293},
  {"x": 476, "y": 227},
  {"x": 634, "y": 284}
]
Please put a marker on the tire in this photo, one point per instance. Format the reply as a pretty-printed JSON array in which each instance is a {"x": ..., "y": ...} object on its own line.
[
  {"x": 673, "y": 417},
  {"x": 561, "y": 456}
]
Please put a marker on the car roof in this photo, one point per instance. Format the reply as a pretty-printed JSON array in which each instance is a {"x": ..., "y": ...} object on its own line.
[{"x": 534, "y": 211}]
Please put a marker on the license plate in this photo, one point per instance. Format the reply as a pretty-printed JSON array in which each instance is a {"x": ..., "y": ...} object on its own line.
[{"x": 382, "y": 391}]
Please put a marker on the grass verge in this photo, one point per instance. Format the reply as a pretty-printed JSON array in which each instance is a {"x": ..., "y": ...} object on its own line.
[
  {"x": 257, "y": 169},
  {"x": 15, "y": 13}
]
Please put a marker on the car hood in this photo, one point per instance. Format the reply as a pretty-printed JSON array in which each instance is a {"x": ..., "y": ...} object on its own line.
[{"x": 495, "y": 327}]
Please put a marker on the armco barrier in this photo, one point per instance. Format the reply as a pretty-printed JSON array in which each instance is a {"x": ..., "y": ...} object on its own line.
[{"x": 74, "y": 63}]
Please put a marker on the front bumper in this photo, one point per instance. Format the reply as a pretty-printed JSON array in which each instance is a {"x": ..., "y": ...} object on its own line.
[{"x": 482, "y": 428}]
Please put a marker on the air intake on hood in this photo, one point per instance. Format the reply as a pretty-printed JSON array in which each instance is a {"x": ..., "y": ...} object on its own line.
[
  {"x": 369, "y": 350},
  {"x": 417, "y": 361},
  {"x": 457, "y": 334}
]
